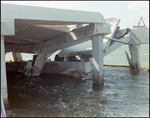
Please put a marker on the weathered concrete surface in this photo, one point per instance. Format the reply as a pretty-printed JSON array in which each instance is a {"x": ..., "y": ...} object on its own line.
[
  {"x": 38, "y": 64},
  {"x": 134, "y": 61},
  {"x": 34, "y": 48},
  {"x": 75, "y": 69},
  {"x": 3, "y": 74},
  {"x": 28, "y": 68},
  {"x": 62, "y": 41},
  {"x": 75, "y": 37},
  {"x": 86, "y": 46},
  {"x": 114, "y": 22},
  {"x": 116, "y": 45},
  {"x": 134, "y": 36},
  {"x": 97, "y": 60}
]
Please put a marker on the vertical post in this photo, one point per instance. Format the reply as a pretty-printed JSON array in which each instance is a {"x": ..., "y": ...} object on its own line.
[
  {"x": 66, "y": 58},
  {"x": 97, "y": 60},
  {"x": 38, "y": 64},
  {"x": 3, "y": 74},
  {"x": 17, "y": 56},
  {"x": 135, "y": 57}
]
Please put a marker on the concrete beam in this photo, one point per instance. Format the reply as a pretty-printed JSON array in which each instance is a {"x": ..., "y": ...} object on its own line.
[
  {"x": 110, "y": 49},
  {"x": 63, "y": 41},
  {"x": 75, "y": 37},
  {"x": 34, "y": 49},
  {"x": 97, "y": 60},
  {"x": 17, "y": 57},
  {"x": 113, "y": 39},
  {"x": 3, "y": 74},
  {"x": 116, "y": 45},
  {"x": 51, "y": 16}
]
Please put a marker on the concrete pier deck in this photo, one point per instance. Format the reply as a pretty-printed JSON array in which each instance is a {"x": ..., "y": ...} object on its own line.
[{"x": 43, "y": 31}]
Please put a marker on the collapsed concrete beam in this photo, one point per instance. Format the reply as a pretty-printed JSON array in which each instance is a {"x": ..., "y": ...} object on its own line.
[
  {"x": 116, "y": 45},
  {"x": 69, "y": 39},
  {"x": 38, "y": 64},
  {"x": 110, "y": 49},
  {"x": 117, "y": 34},
  {"x": 75, "y": 37},
  {"x": 134, "y": 36},
  {"x": 63, "y": 41}
]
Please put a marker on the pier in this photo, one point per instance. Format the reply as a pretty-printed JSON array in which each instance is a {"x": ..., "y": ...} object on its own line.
[{"x": 43, "y": 31}]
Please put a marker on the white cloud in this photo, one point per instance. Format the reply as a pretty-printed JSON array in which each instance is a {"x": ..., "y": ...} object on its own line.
[
  {"x": 52, "y": 4},
  {"x": 127, "y": 23},
  {"x": 140, "y": 6}
]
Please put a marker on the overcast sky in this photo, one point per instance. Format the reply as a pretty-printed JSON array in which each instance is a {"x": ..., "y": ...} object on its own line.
[{"x": 128, "y": 11}]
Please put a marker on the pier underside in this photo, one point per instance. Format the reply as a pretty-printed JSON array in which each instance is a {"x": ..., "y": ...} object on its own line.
[{"x": 43, "y": 31}]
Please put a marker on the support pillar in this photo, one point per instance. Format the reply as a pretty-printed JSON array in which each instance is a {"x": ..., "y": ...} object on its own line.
[
  {"x": 134, "y": 62},
  {"x": 38, "y": 65},
  {"x": 97, "y": 60},
  {"x": 3, "y": 74},
  {"x": 66, "y": 58},
  {"x": 17, "y": 57}
]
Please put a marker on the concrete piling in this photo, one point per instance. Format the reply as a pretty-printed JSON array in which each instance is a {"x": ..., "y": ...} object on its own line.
[
  {"x": 135, "y": 57},
  {"x": 3, "y": 74},
  {"x": 97, "y": 60},
  {"x": 17, "y": 57},
  {"x": 38, "y": 65}
]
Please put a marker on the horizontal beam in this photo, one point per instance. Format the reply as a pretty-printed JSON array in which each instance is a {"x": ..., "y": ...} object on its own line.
[
  {"x": 32, "y": 40},
  {"x": 34, "y": 49},
  {"x": 113, "y": 39}
]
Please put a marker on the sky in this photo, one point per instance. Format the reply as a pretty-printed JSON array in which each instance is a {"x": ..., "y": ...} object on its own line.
[{"x": 129, "y": 12}]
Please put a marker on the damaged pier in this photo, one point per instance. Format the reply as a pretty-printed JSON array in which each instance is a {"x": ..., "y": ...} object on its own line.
[{"x": 43, "y": 31}]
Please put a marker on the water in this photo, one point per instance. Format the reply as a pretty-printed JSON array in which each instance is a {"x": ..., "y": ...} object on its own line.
[{"x": 123, "y": 94}]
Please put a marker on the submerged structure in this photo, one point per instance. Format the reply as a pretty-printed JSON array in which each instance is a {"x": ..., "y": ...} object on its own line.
[{"x": 43, "y": 31}]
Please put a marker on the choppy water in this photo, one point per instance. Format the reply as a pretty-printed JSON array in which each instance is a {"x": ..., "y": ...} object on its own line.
[{"x": 123, "y": 94}]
